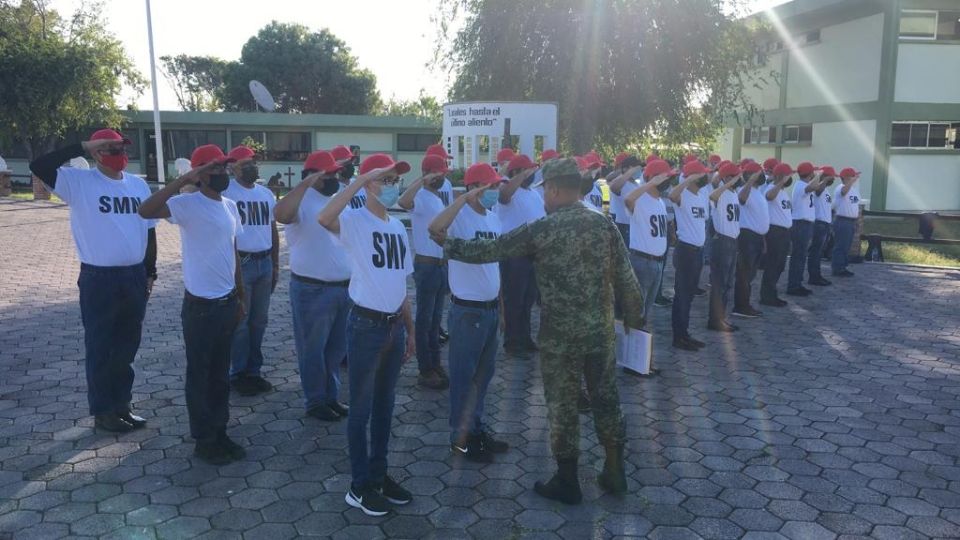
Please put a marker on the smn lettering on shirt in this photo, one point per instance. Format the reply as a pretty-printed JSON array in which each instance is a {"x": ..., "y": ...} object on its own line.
[
  {"x": 119, "y": 205},
  {"x": 658, "y": 226},
  {"x": 254, "y": 212},
  {"x": 390, "y": 250},
  {"x": 699, "y": 212},
  {"x": 358, "y": 201},
  {"x": 733, "y": 212}
]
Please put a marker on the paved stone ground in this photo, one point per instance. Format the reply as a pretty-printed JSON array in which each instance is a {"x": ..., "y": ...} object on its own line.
[{"x": 835, "y": 417}]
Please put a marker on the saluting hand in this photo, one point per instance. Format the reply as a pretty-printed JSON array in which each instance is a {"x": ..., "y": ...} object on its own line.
[
  {"x": 94, "y": 146},
  {"x": 150, "y": 281}
]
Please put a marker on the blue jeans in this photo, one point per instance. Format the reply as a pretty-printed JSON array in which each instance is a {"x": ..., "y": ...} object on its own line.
[
  {"x": 843, "y": 229},
  {"x": 320, "y": 335},
  {"x": 374, "y": 356},
  {"x": 649, "y": 275},
  {"x": 687, "y": 261},
  {"x": 821, "y": 229},
  {"x": 113, "y": 301},
  {"x": 723, "y": 264},
  {"x": 519, "y": 287},
  {"x": 800, "y": 236},
  {"x": 431, "y": 283},
  {"x": 246, "y": 356},
  {"x": 472, "y": 361},
  {"x": 749, "y": 250}
]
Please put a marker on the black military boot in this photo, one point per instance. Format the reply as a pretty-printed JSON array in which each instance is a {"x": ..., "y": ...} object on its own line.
[
  {"x": 613, "y": 479},
  {"x": 564, "y": 486}
]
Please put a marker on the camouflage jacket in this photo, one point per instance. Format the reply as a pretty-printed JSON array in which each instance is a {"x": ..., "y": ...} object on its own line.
[{"x": 580, "y": 263}]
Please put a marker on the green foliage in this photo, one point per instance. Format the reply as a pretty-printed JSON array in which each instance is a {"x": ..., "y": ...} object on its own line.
[
  {"x": 423, "y": 107},
  {"x": 622, "y": 71},
  {"x": 254, "y": 145},
  {"x": 195, "y": 80},
  {"x": 58, "y": 75}
]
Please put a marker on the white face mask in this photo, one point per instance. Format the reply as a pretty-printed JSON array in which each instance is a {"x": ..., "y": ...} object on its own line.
[{"x": 389, "y": 195}]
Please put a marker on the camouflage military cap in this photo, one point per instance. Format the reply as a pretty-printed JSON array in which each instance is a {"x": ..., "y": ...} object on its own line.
[{"x": 556, "y": 168}]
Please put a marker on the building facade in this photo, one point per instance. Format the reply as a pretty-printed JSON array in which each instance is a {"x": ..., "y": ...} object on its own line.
[{"x": 870, "y": 84}]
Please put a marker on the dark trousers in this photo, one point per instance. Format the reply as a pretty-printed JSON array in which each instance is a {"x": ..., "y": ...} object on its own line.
[
  {"x": 778, "y": 244},
  {"x": 113, "y": 301},
  {"x": 473, "y": 356},
  {"x": 687, "y": 263},
  {"x": 208, "y": 327},
  {"x": 723, "y": 263},
  {"x": 821, "y": 229},
  {"x": 519, "y": 294},
  {"x": 843, "y": 229},
  {"x": 800, "y": 236},
  {"x": 749, "y": 250},
  {"x": 431, "y": 283}
]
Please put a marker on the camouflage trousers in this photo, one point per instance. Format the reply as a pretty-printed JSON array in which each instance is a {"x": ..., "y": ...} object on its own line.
[{"x": 562, "y": 373}]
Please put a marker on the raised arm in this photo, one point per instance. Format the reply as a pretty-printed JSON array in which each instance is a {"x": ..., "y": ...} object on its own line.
[
  {"x": 288, "y": 207},
  {"x": 517, "y": 243},
  {"x": 776, "y": 188},
  {"x": 748, "y": 185},
  {"x": 45, "y": 167},
  {"x": 616, "y": 185},
  {"x": 406, "y": 200},
  {"x": 676, "y": 194},
  {"x": 715, "y": 196},
  {"x": 438, "y": 227},
  {"x": 511, "y": 187},
  {"x": 814, "y": 183},
  {"x": 847, "y": 184},
  {"x": 330, "y": 215},
  {"x": 631, "y": 199},
  {"x": 155, "y": 207}
]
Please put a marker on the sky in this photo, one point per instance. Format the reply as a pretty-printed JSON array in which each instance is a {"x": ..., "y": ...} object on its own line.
[{"x": 395, "y": 41}]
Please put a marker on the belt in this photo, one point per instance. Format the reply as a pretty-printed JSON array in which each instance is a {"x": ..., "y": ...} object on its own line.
[
  {"x": 424, "y": 259},
  {"x": 210, "y": 301},
  {"x": 687, "y": 245},
  {"x": 312, "y": 281},
  {"x": 847, "y": 218},
  {"x": 255, "y": 255},
  {"x": 772, "y": 226},
  {"x": 375, "y": 315},
  {"x": 749, "y": 231},
  {"x": 722, "y": 237},
  {"x": 643, "y": 255},
  {"x": 489, "y": 304}
]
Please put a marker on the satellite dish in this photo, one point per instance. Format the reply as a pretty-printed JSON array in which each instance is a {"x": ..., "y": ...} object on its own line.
[
  {"x": 79, "y": 163},
  {"x": 182, "y": 165},
  {"x": 262, "y": 96}
]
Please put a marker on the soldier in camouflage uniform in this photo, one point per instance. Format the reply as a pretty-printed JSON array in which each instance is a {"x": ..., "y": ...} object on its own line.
[{"x": 580, "y": 263}]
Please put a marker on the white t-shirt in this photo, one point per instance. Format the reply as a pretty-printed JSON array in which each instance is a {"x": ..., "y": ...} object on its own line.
[
  {"x": 315, "y": 252},
  {"x": 103, "y": 216},
  {"x": 780, "y": 208},
  {"x": 849, "y": 205},
  {"x": 360, "y": 198},
  {"x": 477, "y": 282},
  {"x": 754, "y": 215},
  {"x": 426, "y": 206},
  {"x": 726, "y": 215},
  {"x": 526, "y": 206},
  {"x": 594, "y": 199},
  {"x": 692, "y": 218},
  {"x": 803, "y": 203},
  {"x": 822, "y": 206},
  {"x": 255, "y": 206},
  {"x": 623, "y": 216},
  {"x": 208, "y": 234},
  {"x": 380, "y": 259},
  {"x": 446, "y": 192},
  {"x": 648, "y": 226}
]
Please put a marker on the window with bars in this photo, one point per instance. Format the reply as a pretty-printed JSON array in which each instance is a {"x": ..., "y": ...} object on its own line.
[{"x": 925, "y": 135}]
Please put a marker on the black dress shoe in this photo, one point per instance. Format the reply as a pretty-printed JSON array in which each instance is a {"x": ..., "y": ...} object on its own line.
[
  {"x": 663, "y": 301},
  {"x": 684, "y": 345},
  {"x": 799, "y": 292},
  {"x": 747, "y": 312},
  {"x": 112, "y": 422},
  {"x": 259, "y": 384},
  {"x": 132, "y": 419},
  {"x": 695, "y": 342},
  {"x": 775, "y": 302},
  {"x": 844, "y": 273},
  {"x": 699, "y": 292},
  {"x": 339, "y": 408},
  {"x": 234, "y": 450},
  {"x": 244, "y": 386},
  {"x": 820, "y": 282},
  {"x": 721, "y": 327},
  {"x": 212, "y": 452},
  {"x": 323, "y": 412}
]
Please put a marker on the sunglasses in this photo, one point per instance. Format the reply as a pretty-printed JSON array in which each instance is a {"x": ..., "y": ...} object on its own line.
[{"x": 389, "y": 181}]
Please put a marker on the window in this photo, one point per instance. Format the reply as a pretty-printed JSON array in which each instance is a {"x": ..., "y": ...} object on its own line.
[
  {"x": 409, "y": 142},
  {"x": 930, "y": 25},
  {"x": 811, "y": 37},
  {"x": 798, "y": 133},
  {"x": 237, "y": 137},
  {"x": 179, "y": 143},
  {"x": 925, "y": 135},
  {"x": 760, "y": 135},
  {"x": 287, "y": 146},
  {"x": 948, "y": 25}
]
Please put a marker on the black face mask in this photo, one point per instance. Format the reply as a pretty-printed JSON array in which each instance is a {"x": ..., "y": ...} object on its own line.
[
  {"x": 830, "y": 182},
  {"x": 702, "y": 181},
  {"x": 437, "y": 183},
  {"x": 789, "y": 182},
  {"x": 528, "y": 181},
  {"x": 249, "y": 173},
  {"x": 664, "y": 187},
  {"x": 738, "y": 184},
  {"x": 218, "y": 182},
  {"x": 306, "y": 172},
  {"x": 330, "y": 186},
  {"x": 347, "y": 171}
]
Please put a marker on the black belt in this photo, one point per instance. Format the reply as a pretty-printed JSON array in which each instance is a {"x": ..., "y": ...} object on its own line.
[
  {"x": 779, "y": 227},
  {"x": 210, "y": 301},
  {"x": 687, "y": 245},
  {"x": 310, "y": 280},
  {"x": 658, "y": 258},
  {"x": 489, "y": 304},
  {"x": 845, "y": 217},
  {"x": 375, "y": 315},
  {"x": 426, "y": 259},
  {"x": 722, "y": 237},
  {"x": 255, "y": 255}
]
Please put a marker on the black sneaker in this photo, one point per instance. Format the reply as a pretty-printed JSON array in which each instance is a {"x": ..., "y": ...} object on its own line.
[
  {"x": 747, "y": 312},
  {"x": 234, "y": 450},
  {"x": 695, "y": 342},
  {"x": 663, "y": 301},
  {"x": 136, "y": 421},
  {"x": 774, "y": 302},
  {"x": 243, "y": 386},
  {"x": 339, "y": 408},
  {"x": 472, "y": 450},
  {"x": 394, "y": 493},
  {"x": 489, "y": 443},
  {"x": 112, "y": 423},
  {"x": 323, "y": 412},
  {"x": 260, "y": 384},
  {"x": 699, "y": 292},
  {"x": 684, "y": 345},
  {"x": 212, "y": 452},
  {"x": 820, "y": 282},
  {"x": 368, "y": 500},
  {"x": 844, "y": 273},
  {"x": 799, "y": 292}
]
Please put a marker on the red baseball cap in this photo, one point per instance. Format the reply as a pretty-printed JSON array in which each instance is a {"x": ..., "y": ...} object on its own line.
[
  {"x": 322, "y": 161},
  {"x": 689, "y": 157},
  {"x": 691, "y": 168},
  {"x": 651, "y": 157},
  {"x": 593, "y": 157},
  {"x": 241, "y": 152},
  {"x": 208, "y": 153},
  {"x": 581, "y": 163},
  {"x": 438, "y": 150},
  {"x": 380, "y": 161},
  {"x": 744, "y": 161},
  {"x": 752, "y": 167},
  {"x": 805, "y": 168},
  {"x": 714, "y": 159},
  {"x": 549, "y": 154},
  {"x": 847, "y": 172},
  {"x": 520, "y": 161},
  {"x": 729, "y": 169},
  {"x": 619, "y": 158},
  {"x": 656, "y": 167},
  {"x": 782, "y": 169},
  {"x": 480, "y": 173},
  {"x": 828, "y": 171},
  {"x": 505, "y": 154},
  {"x": 434, "y": 163},
  {"x": 109, "y": 135},
  {"x": 341, "y": 153},
  {"x": 770, "y": 163}
]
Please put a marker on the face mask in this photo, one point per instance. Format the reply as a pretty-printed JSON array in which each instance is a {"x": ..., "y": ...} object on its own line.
[
  {"x": 790, "y": 181},
  {"x": 347, "y": 171},
  {"x": 306, "y": 172},
  {"x": 489, "y": 198},
  {"x": 436, "y": 184},
  {"x": 702, "y": 181},
  {"x": 389, "y": 195},
  {"x": 330, "y": 186},
  {"x": 116, "y": 163},
  {"x": 830, "y": 182},
  {"x": 249, "y": 173},
  {"x": 738, "y": 184},
  {"x": 218, "y": 182},
  {"x": 528, "y": 181},
  {"x": 664, "y": 187}
]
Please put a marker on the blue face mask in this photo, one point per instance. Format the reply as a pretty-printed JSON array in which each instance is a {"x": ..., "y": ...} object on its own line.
[
  {"x": 389, "y": 195},
  {"x": 489, "y": 198}
]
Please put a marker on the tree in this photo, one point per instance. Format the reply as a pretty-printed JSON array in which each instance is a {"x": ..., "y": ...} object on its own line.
[
  {"x": 195, "y": 80},
  {"x": 423, "y": 107},
  {"x": 617, "y": 68},
  {"x": 307, "y": 72},
  {"x": 58, "y": 75}
]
